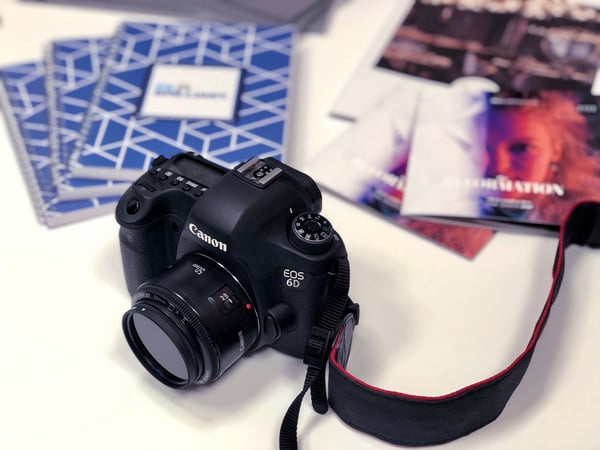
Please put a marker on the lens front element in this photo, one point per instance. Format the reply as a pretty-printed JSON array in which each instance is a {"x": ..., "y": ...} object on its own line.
[
  {"x": 191, "y": 322},
  {"x": 159, "y": 346}
]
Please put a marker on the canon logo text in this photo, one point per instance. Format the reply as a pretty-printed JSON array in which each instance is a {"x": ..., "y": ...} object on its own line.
[{"x": 207, "y": 238}]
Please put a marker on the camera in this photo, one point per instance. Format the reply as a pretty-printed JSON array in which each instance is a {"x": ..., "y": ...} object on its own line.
[{"x": 221, "y": 263}]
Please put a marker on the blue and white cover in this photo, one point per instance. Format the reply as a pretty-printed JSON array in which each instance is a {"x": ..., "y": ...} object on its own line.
[
  {"x": 121, "y": 144},
  {"x": 72, "y": 69},
  {"x": 24, "y": 102}
]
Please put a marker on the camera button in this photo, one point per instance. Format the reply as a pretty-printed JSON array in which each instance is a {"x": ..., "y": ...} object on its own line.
[
  {"x": 225, "y": 300},
  {"x": 230, "y": 304},
  {"x": 167, "y": 174},
  {"x": 189, "y": 185}
]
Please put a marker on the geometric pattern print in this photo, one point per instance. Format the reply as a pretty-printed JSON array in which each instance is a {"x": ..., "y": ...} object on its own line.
[
  {"x": 25, "y": 107},
  {"x": 118, "y": 141},
  {"x": 73, "y": 68}
]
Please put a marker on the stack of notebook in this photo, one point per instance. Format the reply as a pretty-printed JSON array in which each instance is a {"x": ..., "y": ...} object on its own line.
[{"x": 91, "y": 115}]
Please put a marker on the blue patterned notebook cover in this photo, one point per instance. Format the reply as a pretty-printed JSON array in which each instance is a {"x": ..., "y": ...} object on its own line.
[
  {"x": 24, "y": 103},
  {"x": 73, "y": 67},
  {"x": 120, "y": 145}
]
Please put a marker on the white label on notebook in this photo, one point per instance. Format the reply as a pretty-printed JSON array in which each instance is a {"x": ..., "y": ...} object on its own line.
[{"x": 178, "y": 91}]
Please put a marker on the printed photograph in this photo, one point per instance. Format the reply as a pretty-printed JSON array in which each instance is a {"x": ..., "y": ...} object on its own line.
[
  {"x": 523, "y": 158},
  {"x": 521, "y": 45}
]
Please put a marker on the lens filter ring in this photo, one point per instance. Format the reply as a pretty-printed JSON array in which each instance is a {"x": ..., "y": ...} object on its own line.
[
  {"x": 191, "y": 322},
  {"x": 205, "y": 349},
  {"x": 161, "y": 342}
]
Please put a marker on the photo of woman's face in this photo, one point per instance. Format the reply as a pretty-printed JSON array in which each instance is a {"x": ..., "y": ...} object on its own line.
[{"x": 519, "y": 145}]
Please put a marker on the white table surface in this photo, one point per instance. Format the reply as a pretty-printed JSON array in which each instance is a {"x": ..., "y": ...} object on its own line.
[{"x": 431, "y": 321}]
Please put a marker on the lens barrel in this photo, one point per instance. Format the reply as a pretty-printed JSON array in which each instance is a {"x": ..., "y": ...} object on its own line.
[{"x": 191, "y": 322}]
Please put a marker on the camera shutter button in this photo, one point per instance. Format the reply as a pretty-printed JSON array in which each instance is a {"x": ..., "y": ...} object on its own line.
[{"x": 311, "y": 233}]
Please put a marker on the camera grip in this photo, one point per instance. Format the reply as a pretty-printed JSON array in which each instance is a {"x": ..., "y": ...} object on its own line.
[{"x": 148, "y": 250}]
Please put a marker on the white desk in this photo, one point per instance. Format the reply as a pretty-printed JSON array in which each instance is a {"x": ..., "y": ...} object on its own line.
[{"x": 431, "y": 321}]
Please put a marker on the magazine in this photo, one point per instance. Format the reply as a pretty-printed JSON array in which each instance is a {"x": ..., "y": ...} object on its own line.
[
  {"x": 366, "y": 165},
  {"x": 520, "y": 45},
  {"x": 503, "y": 159}
]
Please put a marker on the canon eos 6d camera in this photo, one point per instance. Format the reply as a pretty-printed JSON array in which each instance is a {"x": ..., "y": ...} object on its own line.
[{"x": 220, "y": 263}]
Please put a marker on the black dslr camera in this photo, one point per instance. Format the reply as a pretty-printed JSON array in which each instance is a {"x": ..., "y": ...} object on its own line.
[{"x": 220, "y": 263}]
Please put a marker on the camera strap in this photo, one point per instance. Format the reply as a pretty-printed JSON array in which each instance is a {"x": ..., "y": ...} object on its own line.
[
  {"x": 416, "y": 420},
  {"x": 318, "y": 347}
]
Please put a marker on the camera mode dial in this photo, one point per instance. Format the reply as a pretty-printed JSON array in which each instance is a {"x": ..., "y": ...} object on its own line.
[{"x": 312, "y": 233}]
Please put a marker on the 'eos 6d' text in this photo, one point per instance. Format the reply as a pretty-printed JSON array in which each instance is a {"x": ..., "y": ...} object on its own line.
[{"x": 293, "y": 277}]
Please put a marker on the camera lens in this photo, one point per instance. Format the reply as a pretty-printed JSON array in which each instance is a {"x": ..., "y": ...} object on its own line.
[{"x": 191, "y": 322}]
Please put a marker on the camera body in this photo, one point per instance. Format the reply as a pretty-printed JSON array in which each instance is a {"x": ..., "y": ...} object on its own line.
[{"x": 223, "y": 262}]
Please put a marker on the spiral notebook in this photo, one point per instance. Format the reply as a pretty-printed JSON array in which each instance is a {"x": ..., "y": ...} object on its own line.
[
  {"x": 24, "y": 103},
  {"x": 220, "y": 90},
  {"x": 72, "y": 69}
]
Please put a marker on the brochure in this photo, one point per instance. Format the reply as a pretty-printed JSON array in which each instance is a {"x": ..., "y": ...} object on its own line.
[{"x": 367, "y": 164}]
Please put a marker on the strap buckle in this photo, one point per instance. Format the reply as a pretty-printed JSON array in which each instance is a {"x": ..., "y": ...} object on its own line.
[{"x": 317, "y": 347}]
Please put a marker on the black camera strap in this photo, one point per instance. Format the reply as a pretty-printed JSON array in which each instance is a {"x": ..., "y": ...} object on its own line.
[
  {"x": 316, "y": 353},
  {"x": 415, "y": 420}
]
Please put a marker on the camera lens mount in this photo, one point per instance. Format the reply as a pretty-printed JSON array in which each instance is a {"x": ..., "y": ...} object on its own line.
[{"x": 191, "y": 322}]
